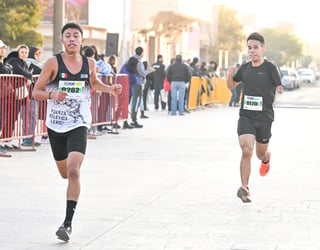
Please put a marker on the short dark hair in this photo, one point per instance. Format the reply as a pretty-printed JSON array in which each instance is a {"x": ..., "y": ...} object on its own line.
[
  {"x": 256, "y": 36},
  {"x": 139, "y": 51},
  {"x": 178, "y": 58},
  {"x": 159, "y": 57},
  {"x": 132, "y": 64},
  {"x": 72, "y": 26},
  {"x": 89, "y": 52}
]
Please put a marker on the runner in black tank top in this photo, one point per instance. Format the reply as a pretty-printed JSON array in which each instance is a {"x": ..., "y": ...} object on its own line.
[{"x": 70, "y": 78}]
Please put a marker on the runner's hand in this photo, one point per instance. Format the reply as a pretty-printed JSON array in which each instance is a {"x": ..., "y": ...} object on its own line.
[
  {"x": 59, "y": 95},
  {"x": 116, "y": 89}
]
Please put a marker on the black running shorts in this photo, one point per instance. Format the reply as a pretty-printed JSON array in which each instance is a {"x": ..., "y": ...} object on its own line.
[
  {"x": 261, "y": 129},
  {"x": 72, "y": 141}
]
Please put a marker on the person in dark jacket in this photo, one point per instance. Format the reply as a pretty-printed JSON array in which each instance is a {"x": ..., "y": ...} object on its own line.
[
  {"x": 35, "y": 67},
  {"x": 195, "y": 66},
  {"x": 158, "y": 78},
  {"x": 17, "y": 59},
  {"x": 130, "y": 68},
  {"x": 178, "y": 74},
  {"x": 33, "y": 60}
]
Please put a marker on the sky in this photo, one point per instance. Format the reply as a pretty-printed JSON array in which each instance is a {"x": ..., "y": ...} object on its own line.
[
  {"x": 303, "y": 14},
  {"x": 268, "y": 13}
]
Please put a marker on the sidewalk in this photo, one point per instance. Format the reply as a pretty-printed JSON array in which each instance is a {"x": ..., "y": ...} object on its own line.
[{"x": 171, "y": 186}]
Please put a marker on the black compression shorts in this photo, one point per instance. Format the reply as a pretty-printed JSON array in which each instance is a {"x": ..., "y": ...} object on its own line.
[
  {"x": 72, "y": 141},
  {"x": 261, "y": 129}
]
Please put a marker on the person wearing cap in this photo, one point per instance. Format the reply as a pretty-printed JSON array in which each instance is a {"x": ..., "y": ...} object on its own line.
[
  {"x": 178, "y": 74},
  {"x": 29, "y": 107}
]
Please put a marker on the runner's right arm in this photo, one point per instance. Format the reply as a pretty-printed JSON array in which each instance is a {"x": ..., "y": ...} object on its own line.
[
  {"x": 48, "y": 73},
  {"x": 230, "y": 82}
]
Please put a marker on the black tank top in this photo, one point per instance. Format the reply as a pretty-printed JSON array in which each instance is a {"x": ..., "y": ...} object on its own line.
[{"x": 75, "y": 110}]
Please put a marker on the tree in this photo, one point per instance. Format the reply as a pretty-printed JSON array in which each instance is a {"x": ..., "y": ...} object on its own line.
[
  {"x": 282, "y": 47},
  {"x": 19, "y": 19},
  {"x": 230, "y": 36}
]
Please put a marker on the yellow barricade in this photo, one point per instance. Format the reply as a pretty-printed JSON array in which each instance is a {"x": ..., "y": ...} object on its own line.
[
  {"x": 207, "y": 92},
  {"x": 194, "y": 92},
  {"x": 221, "y": 93},
  {"x": 204, "y": 92}
]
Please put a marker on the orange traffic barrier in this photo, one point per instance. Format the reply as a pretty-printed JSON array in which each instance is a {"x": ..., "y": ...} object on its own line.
[
  {"x": 194, "y": 92},
  {"x": 221, "y": 93},
  {"x": 206, "y": 92}
]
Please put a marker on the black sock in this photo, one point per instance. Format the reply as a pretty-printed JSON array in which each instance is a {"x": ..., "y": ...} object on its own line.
[{"x": 71, "y": 206}]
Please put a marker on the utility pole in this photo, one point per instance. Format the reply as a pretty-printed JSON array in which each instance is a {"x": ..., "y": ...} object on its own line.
[
  {"x": 58, "y": 22},
  {"x": 126, "y": 31}
]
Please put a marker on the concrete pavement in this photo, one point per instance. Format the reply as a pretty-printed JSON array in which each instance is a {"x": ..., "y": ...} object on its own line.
[{"x": 171, "y": 186}]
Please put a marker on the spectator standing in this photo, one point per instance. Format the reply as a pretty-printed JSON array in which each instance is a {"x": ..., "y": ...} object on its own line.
[
  {"x": 17, "y": 59},
  {"x": 103, "y": 70},
  {"x": 130, "y": 68},
  {"x": 102, "y": 67},
  {"x": 194, "y": 65},
  {"x": 212, "y": 69},
  {"x": 178, "y": 74},
  {"x": 33, "y": 60},
  {"x": 35, "y": 67},
  {"x": 158, "y": 79},
  {"x": 145, "y": 90},
  {"x": 172, "y": 61},
  {"x": 113, "y": 63},
  {"x": 137, "y": 88}
]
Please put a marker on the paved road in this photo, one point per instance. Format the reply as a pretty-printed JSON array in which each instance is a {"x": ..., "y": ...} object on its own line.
[
  {"x": 171, "y": 186},
  {"x": 307, "y": 96}
]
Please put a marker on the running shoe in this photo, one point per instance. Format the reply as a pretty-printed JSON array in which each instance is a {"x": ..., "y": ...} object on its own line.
[
  {"x": 64, "y": 233},
  {"x": 244, "y": 194},
  {"x": 45, "y": 140},
  {"x": 265, "y": 167},
  {"x": 2, "y": 150}
]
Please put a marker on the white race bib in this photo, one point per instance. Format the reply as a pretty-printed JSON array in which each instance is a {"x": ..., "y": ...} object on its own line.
[
  {"x": 75, "y": 89},
  {"x": 253, "y": 103}
]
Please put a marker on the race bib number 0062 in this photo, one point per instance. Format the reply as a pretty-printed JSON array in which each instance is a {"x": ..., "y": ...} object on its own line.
[
  {"x": 75, "y": 89},
  {"x": 253, "y": 103}
]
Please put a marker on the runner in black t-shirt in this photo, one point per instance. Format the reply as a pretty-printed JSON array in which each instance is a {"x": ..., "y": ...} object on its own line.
[{"x": 260, "y": 80}]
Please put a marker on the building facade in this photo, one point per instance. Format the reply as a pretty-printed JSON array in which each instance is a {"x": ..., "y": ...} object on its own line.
[{"x": 166, "y": 27}]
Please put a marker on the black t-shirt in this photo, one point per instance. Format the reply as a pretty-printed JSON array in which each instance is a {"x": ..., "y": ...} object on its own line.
[{"x": 259, "y": 88}]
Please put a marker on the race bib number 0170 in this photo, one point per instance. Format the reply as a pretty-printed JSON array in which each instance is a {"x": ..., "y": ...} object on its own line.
[
  {"x": 75, "y": 89},
  {"x": 253, "y": 103}
]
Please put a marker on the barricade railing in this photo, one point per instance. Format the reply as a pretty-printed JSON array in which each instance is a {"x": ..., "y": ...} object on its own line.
[
  {"x": 15, "y": 107},
  {"x": 23, "y": 117},
  {"x": 107, "y": 109}
]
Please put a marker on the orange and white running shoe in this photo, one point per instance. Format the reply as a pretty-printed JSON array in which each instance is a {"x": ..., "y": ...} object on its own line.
[{"x": 265, "y": 167}]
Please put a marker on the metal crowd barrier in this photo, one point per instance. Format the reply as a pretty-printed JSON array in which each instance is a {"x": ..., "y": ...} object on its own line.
[{"x": 23, "y": 117}]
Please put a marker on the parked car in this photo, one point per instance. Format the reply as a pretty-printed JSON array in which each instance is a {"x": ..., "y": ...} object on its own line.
[
  {"x": 298, "y": 79},
  {"x": 289, "y": 78},
  {"x": 307, "y": 75}
]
